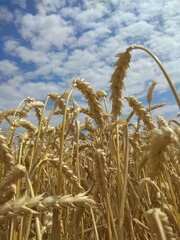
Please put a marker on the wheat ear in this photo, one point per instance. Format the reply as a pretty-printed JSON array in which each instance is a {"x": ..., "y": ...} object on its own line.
[
  {"x": 17, "y": 172},
  {"x": 5, "y": 152},
  {"x": 150, "y": 92},
  {"x": 23, "y": 123},
  {"x": 117, "y": 82},
  {"x": 159, "y": 224},
  {"x": 141, "y": 112},
  {"x": 157, "y": 152},
  {"x": 29, "y": 106},
  {"x": 38, "y": 204},
  {"x": 93, "y": 102}
]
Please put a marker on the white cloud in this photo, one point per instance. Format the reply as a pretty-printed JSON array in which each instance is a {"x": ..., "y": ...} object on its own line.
[
  {"x": 49, "y": 6},
  {"x": 45, "y": 32},
  {"x": 8, "y": 68},
  {"x": 16, "y": 89},
  {"x": 10, "y": 45},
  {"x": 28, "y": 55},
  {"x": 5, "y": 15},
  {"x": 91, "y": 15}
]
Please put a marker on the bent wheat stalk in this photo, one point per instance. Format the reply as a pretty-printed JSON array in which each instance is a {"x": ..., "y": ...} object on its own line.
[{"x": 162, "y": 69}]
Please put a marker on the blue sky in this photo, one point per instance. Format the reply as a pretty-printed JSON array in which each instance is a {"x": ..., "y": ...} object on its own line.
[{"x": 45, "y": 44}]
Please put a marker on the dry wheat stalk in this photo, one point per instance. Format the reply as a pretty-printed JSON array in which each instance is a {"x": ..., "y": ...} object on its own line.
[{"x": 117, "y": 82}]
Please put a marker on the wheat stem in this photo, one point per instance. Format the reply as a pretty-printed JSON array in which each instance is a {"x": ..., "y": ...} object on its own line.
[{"x": 162, "y": 69}]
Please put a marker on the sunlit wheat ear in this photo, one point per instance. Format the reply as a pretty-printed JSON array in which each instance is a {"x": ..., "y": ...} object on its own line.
[
  {"x": 161, "y": 122},
  {"x": 54, "y": 96},
  {"x": 24, "y": 123},
  {"x": 61, "y": 104},
  {"x": 6, "y": 114},
  {"x": 70, "y": 175},
  {"x": 150, "y": 92},
  {"x": 100, "y": 168},
  {"x": 117, "y": 82},
  {"x": 25, "y": 205},
  {"x": 18, "y": 171},
  {"x": 94, "y": 104},
  {"x": 29, "y": 106},
  {"x": 159, "y": 224},
  {"x": 141, "y": 112},
  {"x": 101, "y": 94},
  {"x": 86, "y": 111},
  {"x": 160, "y": 140},
  {"x": 5, "y": 152},
  {"x": 154, "y": 107}
]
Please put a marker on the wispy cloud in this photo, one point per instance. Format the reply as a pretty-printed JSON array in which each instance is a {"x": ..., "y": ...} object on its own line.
[{"x": 5, "y": 15}]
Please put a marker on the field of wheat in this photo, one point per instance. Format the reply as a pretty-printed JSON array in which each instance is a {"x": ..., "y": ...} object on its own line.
[{"x": 100, "y": 178}]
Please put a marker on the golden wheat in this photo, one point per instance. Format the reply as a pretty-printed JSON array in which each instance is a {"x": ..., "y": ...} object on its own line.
[{"x": 100, "y": 177}]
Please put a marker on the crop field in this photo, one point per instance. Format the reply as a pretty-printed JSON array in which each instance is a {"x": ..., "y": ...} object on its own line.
[{"x": 103, "y": 177}]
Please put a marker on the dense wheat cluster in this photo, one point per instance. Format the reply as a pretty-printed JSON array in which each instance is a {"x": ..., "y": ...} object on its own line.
[{"x": 103, "y": 177}]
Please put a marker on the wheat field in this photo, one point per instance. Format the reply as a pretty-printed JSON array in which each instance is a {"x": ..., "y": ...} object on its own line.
[{"x": 100, "y": 178}]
